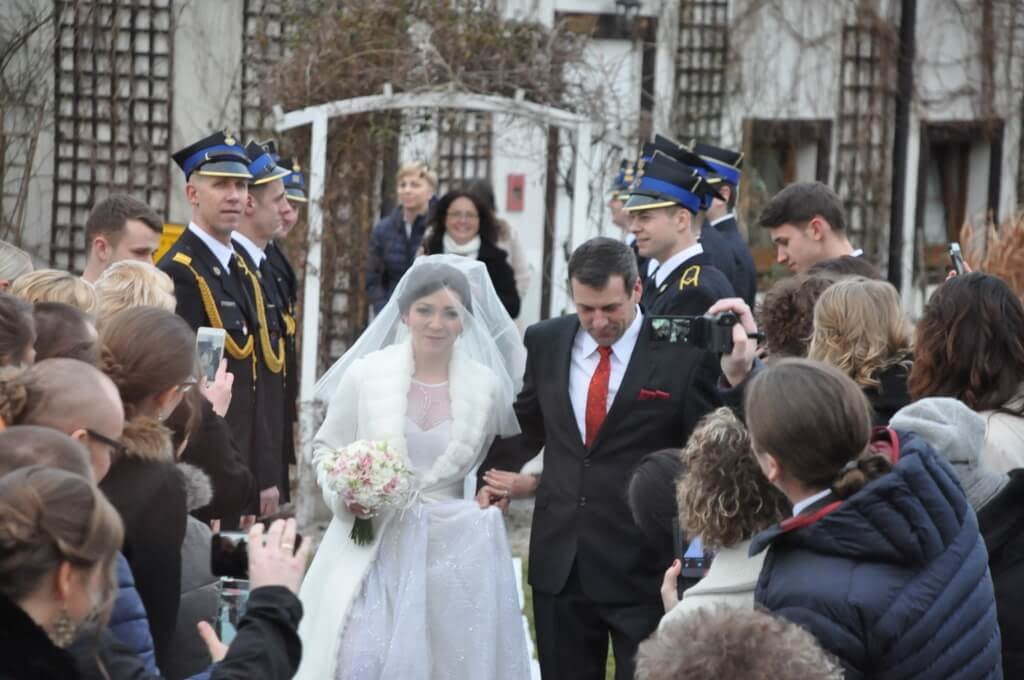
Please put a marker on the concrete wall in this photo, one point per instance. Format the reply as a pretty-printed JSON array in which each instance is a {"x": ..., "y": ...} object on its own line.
[
  {"x": 38, "y": 208},
  {"x": 207, "y": 80}
]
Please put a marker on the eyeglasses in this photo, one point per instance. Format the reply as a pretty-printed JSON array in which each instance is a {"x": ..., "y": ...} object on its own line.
[
  {"x": 117, "y": 449},
  {"x": 468, "y": 216},
  {"x": 188, "y": 385}
]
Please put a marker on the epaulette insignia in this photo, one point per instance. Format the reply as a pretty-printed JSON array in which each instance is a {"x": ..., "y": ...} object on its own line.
[
  {"x": 182, "y": 258},
  {"x": 690, "y": 277}
]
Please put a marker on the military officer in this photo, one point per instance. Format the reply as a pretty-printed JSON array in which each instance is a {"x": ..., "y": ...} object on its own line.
[
  {"x": 617, "y": 196},
  {"x": 727, "y": 164},
  {"x": 663, "y": 202},
  {"x": 288, "y": 287},
  {"x": 264, "y": 210},
  {"x": 714, "y": 244},
  {"x": 209, "y": 283}
]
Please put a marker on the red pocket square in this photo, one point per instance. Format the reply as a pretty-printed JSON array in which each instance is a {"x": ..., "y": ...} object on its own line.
[{"x": 651, "y": 395}]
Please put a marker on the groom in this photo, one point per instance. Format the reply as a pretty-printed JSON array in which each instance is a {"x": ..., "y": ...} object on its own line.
[{"x": 598, "y": 395}]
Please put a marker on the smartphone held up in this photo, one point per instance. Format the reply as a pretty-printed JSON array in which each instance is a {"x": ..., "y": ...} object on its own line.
[{"x": 210, "y": 349}]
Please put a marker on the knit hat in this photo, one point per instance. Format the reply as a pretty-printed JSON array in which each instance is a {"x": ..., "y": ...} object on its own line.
[{"x": 957, "y": 434}]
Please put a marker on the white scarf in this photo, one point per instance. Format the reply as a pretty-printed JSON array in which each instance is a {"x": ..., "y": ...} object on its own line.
[{"x": 468, "y": 249}]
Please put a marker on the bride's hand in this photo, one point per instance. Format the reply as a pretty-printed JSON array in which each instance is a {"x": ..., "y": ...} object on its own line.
[
  {"x": 488, "y": 496},
  {"x": 518, "y": 484},
  {"x": 357, "y": 510}
]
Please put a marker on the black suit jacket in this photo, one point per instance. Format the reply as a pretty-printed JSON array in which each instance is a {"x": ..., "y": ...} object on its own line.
[
  {"x": 581, "y": 514},
  {"x": 745, "y": 280},
  {"x": 238, "y": 316},
  {"x": 689, "y": 290}
]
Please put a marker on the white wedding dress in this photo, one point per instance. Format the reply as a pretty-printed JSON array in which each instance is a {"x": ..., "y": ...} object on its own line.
[{"x": 435, "y": 597}]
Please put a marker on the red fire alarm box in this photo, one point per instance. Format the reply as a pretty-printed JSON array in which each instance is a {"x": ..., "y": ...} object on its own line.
[{"x": 516, "y": 193}]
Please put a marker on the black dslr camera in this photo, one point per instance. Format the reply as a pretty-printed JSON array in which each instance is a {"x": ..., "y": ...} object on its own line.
[{"x": 710, "y": 332}]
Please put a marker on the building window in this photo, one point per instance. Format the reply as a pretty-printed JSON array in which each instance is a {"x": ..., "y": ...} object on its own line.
[
  {"x": 113, "y": 111},
  {"x": 463, "y": 148},
  {"x": 777, "y": 153},
  {"x": 700, "y": 67},
  {"x": 263, "y": 40},
  {"x": 959, "y": 182}
]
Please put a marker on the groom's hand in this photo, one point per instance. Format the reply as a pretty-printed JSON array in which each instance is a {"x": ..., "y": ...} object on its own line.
[{"x": 488, "y": 496}]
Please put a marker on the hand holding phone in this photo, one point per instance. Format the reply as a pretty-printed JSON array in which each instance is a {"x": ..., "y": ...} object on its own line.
[{"x": 218, "y": 392}]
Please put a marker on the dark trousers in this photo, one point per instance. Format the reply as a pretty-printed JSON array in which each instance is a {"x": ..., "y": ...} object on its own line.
[{"x": 573, "y": 631}]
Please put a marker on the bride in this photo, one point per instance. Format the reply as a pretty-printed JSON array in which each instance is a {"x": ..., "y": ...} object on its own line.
[{"x": 434, "y": 595}]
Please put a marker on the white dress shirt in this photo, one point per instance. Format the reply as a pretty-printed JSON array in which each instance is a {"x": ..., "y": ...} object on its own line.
[
  {"x": 222, "y": 252},
  {"x": 583, "y": 363},
  {"x": 255, "y": 254},
  {"x": 800, "y": 506},
  {"x": 723, "y": 218},
  {"x": 673, "y": 262}
]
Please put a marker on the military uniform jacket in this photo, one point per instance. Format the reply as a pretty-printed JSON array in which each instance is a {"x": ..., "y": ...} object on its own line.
[
  {"x": 745, "y": 280},
  {"x": 222, "y": 295},
  {"x": 719, "y": 252},
  {"x": 689, "y": 290},
  {"x": 288, "y": 288},
  {"x": 270, "y": 370}
]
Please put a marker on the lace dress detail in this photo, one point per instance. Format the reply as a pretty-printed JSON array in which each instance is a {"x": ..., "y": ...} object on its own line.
[{"x": 429, "y": 405}]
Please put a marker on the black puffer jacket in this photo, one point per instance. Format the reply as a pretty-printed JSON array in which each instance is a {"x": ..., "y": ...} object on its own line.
[{"x": 1002, "y": 526}]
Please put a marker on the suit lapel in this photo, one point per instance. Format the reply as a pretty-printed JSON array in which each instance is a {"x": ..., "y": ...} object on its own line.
[{"x": 563, "y": 360}]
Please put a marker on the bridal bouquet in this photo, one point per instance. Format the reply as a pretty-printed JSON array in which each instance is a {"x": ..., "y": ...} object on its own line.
[{"x": 369, "y": 474}]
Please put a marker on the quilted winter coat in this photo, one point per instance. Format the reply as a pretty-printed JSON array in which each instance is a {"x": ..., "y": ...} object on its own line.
[{"x": 894, "y": 580}]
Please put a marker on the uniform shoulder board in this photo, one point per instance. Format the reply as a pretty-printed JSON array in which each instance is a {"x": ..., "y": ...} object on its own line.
[
  {"x": 690, "y": 277},
  {"x": 182, "y": 258}
]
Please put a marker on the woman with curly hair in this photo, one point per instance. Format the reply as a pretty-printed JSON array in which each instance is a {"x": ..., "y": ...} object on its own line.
[
  {"x": 971, "y": 347},
  {"x": 724, "y": 500},
  {"x": 787, "y": 314},
  {"x": 860, "y": 328},
  {"x": 728, "y": 642}
]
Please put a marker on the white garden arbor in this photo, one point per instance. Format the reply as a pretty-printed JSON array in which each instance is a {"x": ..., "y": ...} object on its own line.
[{"x": 569, "y": 234}]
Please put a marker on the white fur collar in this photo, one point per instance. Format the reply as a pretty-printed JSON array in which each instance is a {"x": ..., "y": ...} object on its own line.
[{"x": 384, "y": 395}]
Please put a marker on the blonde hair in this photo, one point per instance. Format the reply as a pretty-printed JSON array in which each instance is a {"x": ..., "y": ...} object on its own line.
[
  {"x": 419, "y": 169},
  {"x": 129, "y": 283},
  {"x": 860, "y": 328},
  {"x": 14, "y": 262},
  {"x": 55, "y": 285},
  {"x": 724, "y": 497}
]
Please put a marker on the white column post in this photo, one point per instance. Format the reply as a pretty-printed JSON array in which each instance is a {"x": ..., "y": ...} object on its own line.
[{"x": 308, "y": 505}]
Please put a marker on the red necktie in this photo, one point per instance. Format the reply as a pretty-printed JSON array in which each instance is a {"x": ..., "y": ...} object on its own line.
[{"x": 597, "y": 395}]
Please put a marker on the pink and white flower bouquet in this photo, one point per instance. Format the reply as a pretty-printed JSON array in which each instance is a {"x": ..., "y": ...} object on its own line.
[{"x": 371, "y": 475}]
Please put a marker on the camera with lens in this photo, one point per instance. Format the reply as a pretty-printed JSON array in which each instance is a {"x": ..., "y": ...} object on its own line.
[{"x": 710, "y": 332}]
